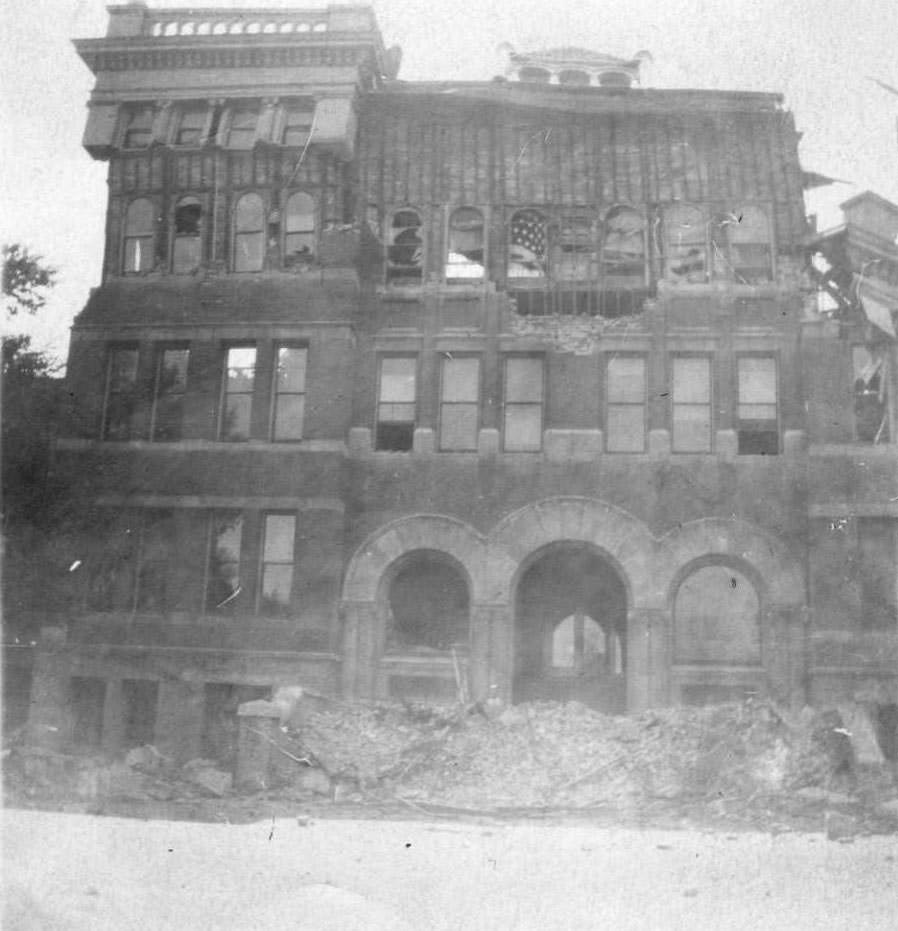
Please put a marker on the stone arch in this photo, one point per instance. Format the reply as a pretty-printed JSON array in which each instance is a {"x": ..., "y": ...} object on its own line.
[
  {"x": 778, "y": 575},
  {"x": 622, "y": 538},
  {"x": 435, "y": 532}
]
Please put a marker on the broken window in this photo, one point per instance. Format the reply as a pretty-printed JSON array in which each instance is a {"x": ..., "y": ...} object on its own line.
[
  {"x": 757, "y": 422},
  {"x": 465, "y": 256},
  {"x": 625, "y": 412},
  {"x": 742, "y": 248},
  {"x": 717, "y": 618},
  {"x": 289, "y": 393},
  {"x": 405, "y": 247},
  {"x": 121, "y": 414},
  {"x": 249, "y": 234},
  {"x": 691, "y": 404},
  {"x": 877, "y": 556},
  {"x": 396, "y": 403},
  {"x": 523, "y": 412},
  {"x": 297, "y": 126},
  {"x": 223, "y": 586},
  {"x": 459, "y": 403},
  {"x": 138, "y": 128},
  {"x": 574, "y": 256},
  {"x": 239, "y": 384},
  {"x": 140, "y": 223},
  {"x": 686, "y": 243},
  {"x": 871, "y": 407},
  {"x": 191, "y": 126},
  {"x": 527, "y": 242},
  {"x": 242, "y": 131},
  {"x": 278, "y": 538},
  {"x": 187, "y": 240},
  {"x": 168, "y": 396},
  {"x": 623, "y": 246},
  {"x": 157, "y": 561},
  {"x": 299, "y": 228}
]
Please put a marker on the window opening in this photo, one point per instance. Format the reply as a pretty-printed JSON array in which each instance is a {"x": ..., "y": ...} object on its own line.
[
  {"x": 121, "y": 415},
  {"x": 239, "y": 382},
  {"x": 580, "y": 647},
  {"x": 168, "y": 397},
  {"x": 188, "y": 224},
  {"x": 465, "y": 259},
  {"x": 428, "y": 604},
  {"x": 277, "y": 563},
  {"x": 157, "y": 563},
  {"x": 523, "y": 416},
  {"x": 249, "y": 234},
  {"x": 223, "y": 586},
  {"x": 242, "y": 131},
  {"x": 527, "y": 245},
  {"x": 575, "y": 253},
  {"x": 139, "y": 698},
  {"x": 114, "y": 566},
  {"x": 140, "y": 222},
  {"x": 691, "y": 405},
  {"x": 623, "y": 247},
  {"x": 871, "y": 401},
  {"x": 687, "y": 259},
  {"x": 757, "y": 406},
  {"x": 405, "y": 249},
  {"x": 289, "y": 393},
  {"x": 626, "y": 392},
  {"x": 139, "y": 128},
  {"x": 875, "y": 571},
  {"x": 460, "y": 404},
  {"x": 191, "y": 126},
  {"x": 396, "y": 404},
  {"x": 299, "y": 236},
  {"x": 297, "y": 126},
  {"x": 749, "y": 241}
]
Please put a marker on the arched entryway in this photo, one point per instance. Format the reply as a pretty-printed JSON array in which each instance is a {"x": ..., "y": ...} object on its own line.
[{"x": 570, "y": 628}]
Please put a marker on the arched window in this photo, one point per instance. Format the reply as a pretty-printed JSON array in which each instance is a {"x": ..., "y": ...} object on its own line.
[
  {"x": 465, "y": 255},
  {"x": 138, "y": 128},
  {"x": 623, "y": 247},
  {"x": 686, "y": 243},
  {"x": 139, "y": 230},
  {"x": 527, "y": 241},
  {"x": 187, "y": 235},
  {"x": 299, "y": 228},
  {"x": 748, "y": 232},
  {"x": 249, "y": 234},
  {"x": 717, "y": 618},
  {"x": 574, "y": 255},
  {"x": 405, "y": 248}
]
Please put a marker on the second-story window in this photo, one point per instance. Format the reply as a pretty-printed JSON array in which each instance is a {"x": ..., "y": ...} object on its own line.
[
  {"x": 691, "y": 404},
  {"x": 276, "y": 583},
  {"x": 242, "y": 130},
  {"x": 396, "y": 397},
  {"x": 750, "y": 255},
  {"x": 299, "y": 228},
  {"x": 237, "y": 393},
  {"x": 523, "y": 412},
  {"x": 249, "y": 234},
  {"x": 465, "y": 256},
  {"x": 686, "y": 244},
  {"x": 623, "y": 246},
  {"x": 574, "y": 255},
  {"x": 223, "y": 585},
  {"x": 191, "y": 126},
  {"x": 168, "y": 394},
  {"x": 187, "y": 246},
  {"x": 625, "y": 412},
  {"x": 527, "y": 242},
  {"x": 405, "y": 248},
  {"x": 140, "y": 223},
  {"x": 459, "y": 404},
  {"x": 289, "y": 401},
  {"x": 138, "y": 128},
  {"x": 122, "y": 402},
  {"x": 757, "y": 407},
  {"x": 297, "y": 125}
]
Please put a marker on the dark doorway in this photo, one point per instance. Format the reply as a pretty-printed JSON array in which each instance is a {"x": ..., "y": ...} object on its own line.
[{"x": 570, "y": 630}]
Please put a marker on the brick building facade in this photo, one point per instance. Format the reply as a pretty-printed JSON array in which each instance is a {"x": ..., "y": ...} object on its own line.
[{"x": 398, "y": 389}]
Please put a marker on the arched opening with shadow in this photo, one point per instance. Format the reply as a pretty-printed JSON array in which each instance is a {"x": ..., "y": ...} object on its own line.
[{"x": 571, "y": 628}]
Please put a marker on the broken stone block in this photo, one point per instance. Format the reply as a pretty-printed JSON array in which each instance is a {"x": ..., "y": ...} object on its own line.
[{"x": 206, "y": 775}]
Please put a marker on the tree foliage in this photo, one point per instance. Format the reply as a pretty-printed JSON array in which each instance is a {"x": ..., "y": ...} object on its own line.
[{"x": 26, "y": 280}]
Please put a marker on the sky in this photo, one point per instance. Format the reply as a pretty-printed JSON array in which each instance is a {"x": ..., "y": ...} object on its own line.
[{"x": 820, "y": 54}]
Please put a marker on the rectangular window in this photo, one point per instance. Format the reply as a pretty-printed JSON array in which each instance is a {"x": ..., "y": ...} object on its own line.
[
  {"x": 237, "y": 394},
  {"x": 168, "y": 395},
  {"x": 279, "y": 535},
  {"x": 297, "y": 126},
  {"x": 139, "y": 128},
  {"x": 121, "y": 409},
  {"x": 139, "y": 699},
  {"x": 242, "y": 132},
  {"x": 459, "y": 404},
  {"x": 289, "y": 393},
  {"x": 877, "y": 558},
  {"x": 524, "y": 391},
  {"x": 157, "y": 564},
  {"x": 396, "y": 398},
  {"x": 191, "y": 126},
  {"x": 757, "y": 406},
  {"x": 691, "y": 404},
  {"x": 113, "y": 564},
  {"x": 223, "y": 586},
  {"x": 625, "y": 413},
  {"x": 871, "y": 399}
]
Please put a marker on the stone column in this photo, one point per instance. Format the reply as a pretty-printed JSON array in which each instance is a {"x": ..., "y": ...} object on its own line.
[
  {"x": 648, "y": 658},
  {"x": 479, "y": 668},
  {"x": 499, "y": 619},
  {"x": 49, "y": 722},
  {"x": 361, "y": 648},
  {"x": 179, "y": 719}
]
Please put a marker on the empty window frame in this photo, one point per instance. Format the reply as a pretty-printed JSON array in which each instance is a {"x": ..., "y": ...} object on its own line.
[
  {"x": 686, "y": 244},
  {"x": 157, "y": 563},
  {"x": 297, "y": 125},
  {"x": 249, "y": 234},
  {"x": 623, "y": 244},
  {"x": 625, "y": 412},
  {"x": 691, "y": 404},
  {"x": 527, "y": 244},
  {"x": 276, "y": 575},
  {"x": 121, "y": 408},
  {"x": 299, "y": 228},
  {"x": 139, "y": 240},
  {"x": 168, "y": 394},
  {"x": 871, "y": 398},
  {"x": 112, "y": 565},
  {"x": 138, "y": 133},
  {"x": 289, "y": 393},
  {"x": 396, "y": 403},
  {"x": 242, "y": 128},
  {"x": 187, "y": 245},
  {"x": 238, "y": 385},
  {"x": 405, "y": 249},
  {"x": 574, "y": 257},
  {"x": 191, "y": 126},
  {"x": 223, "y": 585},
  {"x": 750, "y": 252},
  {"x": 523, "y": 408},
  {"x": 459, "y": 403},
  {"x": 465, "y": 257},
  {"x": 757, "y": 415}
]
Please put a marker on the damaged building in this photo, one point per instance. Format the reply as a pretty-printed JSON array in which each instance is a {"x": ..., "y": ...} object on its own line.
[{"x": 514, "y": 389}]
